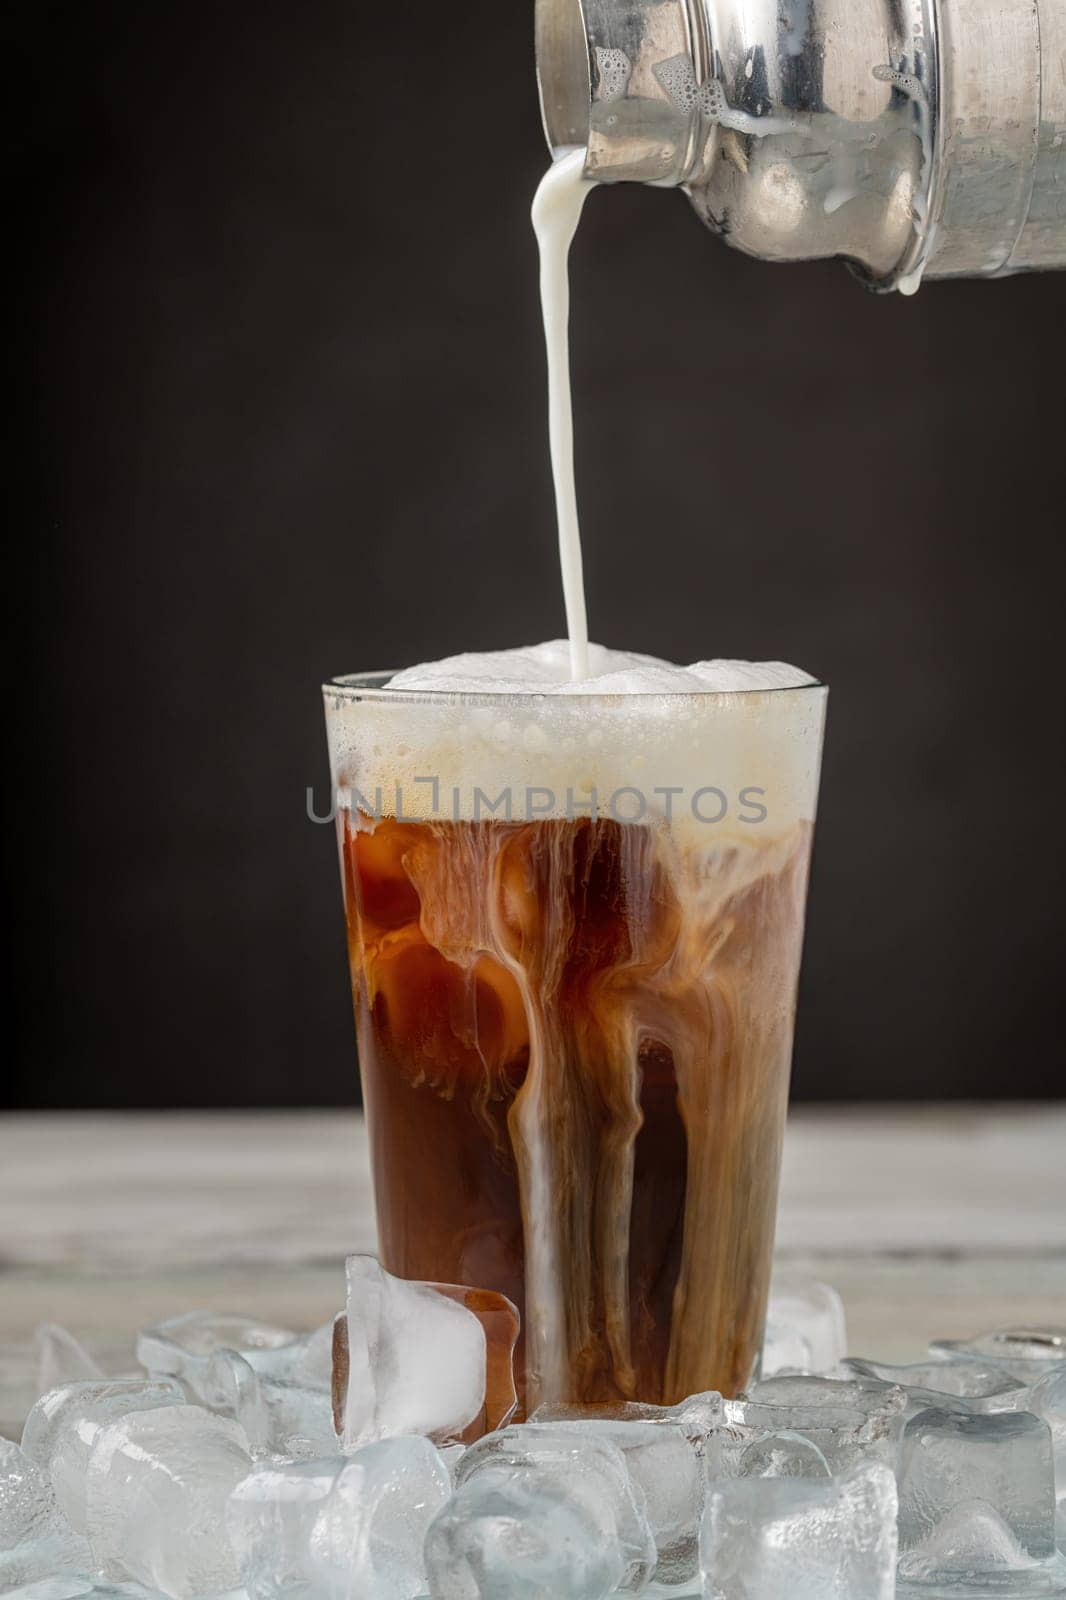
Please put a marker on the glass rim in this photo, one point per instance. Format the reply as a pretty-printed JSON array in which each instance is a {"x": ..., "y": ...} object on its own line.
[{"x": 357, "y": 686}]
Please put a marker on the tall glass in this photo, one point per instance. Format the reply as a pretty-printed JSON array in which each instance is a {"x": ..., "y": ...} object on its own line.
[{"x": 574, "y": 928}]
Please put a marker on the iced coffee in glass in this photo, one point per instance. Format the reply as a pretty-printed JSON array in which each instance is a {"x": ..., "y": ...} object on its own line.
[{"x": 574, "y": 927}]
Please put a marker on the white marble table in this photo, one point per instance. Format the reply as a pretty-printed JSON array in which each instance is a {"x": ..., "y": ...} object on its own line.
[{"x": 928, "y": 1220}]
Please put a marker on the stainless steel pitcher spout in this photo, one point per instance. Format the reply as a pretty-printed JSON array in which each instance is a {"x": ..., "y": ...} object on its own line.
[{"x": 910, "y": 137}]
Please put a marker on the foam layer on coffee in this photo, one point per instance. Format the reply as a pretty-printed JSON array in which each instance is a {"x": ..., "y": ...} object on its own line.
[
  {"x": 545, "y": 669},
  {"x": 711, "y": 750}
]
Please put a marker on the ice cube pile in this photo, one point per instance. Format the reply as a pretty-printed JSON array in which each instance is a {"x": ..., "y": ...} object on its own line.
[{"x": 376, "y": 1459}]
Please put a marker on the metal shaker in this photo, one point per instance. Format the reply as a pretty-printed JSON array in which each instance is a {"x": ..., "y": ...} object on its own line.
[{"x": 912, "y": 138}]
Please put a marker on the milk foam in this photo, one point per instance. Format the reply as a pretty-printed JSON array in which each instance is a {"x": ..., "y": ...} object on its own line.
[
  {"x": 545, "y": 669},
  {"x": 444, "y": 740}
]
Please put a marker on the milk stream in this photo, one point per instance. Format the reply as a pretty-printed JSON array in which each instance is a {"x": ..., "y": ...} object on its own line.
[{"x": 557, "y": 208}]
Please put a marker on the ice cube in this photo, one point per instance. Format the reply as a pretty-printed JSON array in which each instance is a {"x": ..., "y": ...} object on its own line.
[
  {"x": 801, "y": 1539},
  {"x": 451, "y": 1455},
  {"x": 1047, "y": 1400},
  {"x": 949, "y": 1385},
  {"x": 305, "y": 1361},
  {"x": 950, "y": 1461},
  {"x": 807, "y": 1391},
  {"x": 345, "y": 1528},
  {"x": 669, "y": 1474},
  {"x": 1023, "y": 1353},
  {"x": 972, "y": 1550},
  {"x": 513, "y": 1534},
  {"x": 501, "y": 1325},
  {"x": 698, "y": 1417},
  {"x": 61, "y": 1359},
  {"x": 805, "y": 1327},
  {"x": 26, "y": 1501},
  {"x": 60, "y": 1429},
  {"x": 785, "y": 1349},
  {"x": 182, "y": 1347},
  {"x": 155, "y": 1499},
  {"x": 35, "y": 1538},
  {"x": 848, "y": 1421},
  {"x": 185, "y": 1347},
  {"x": 279, "y": 1418},
  {"x": 777, "y": 1442},
  {"x": 274, "y": 1382},
  {"x": 585, "y": 1470},
  {"x": 414, "y": 1358},
  {"x": 81, "y": 1588},
  {"x": 666, "y": 1467},
  {"x": 771, "y": 1454}
]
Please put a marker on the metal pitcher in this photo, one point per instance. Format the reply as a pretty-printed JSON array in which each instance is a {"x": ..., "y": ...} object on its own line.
[{"x": 910, "y": 137}]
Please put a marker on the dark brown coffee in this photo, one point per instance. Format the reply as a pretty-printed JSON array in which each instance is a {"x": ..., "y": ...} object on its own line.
[{"x": 575, "y": 1047}]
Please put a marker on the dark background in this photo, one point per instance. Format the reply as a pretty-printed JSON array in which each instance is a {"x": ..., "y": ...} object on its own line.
[{"x": 285, "y": 405}]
